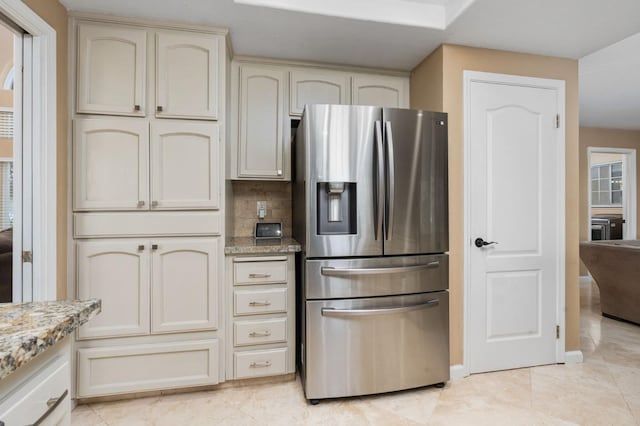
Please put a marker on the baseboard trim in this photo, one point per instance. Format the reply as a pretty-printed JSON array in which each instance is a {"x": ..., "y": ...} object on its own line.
[
  {"x": 573, "y": 357},
  {"x": 585, "y": 280},
  {"x": 456, "y": 372}
]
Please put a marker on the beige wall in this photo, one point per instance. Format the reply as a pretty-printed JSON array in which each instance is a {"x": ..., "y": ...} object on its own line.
[
  {"x": 247, "y": 194},
  {"x": 454, "y": 60},
  {"x": 427, "y": 82},
  {"x": 56, "y": 15},
  {"x": 6, "y": 63},
  {"x": 607, "y": 138}
]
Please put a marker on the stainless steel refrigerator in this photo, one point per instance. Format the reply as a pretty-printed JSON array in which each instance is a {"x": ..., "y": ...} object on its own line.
[{"x": 370, "y": 206}]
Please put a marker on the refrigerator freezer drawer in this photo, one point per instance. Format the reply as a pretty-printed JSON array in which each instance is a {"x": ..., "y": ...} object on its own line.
[
  {"x": 367, "y": 346},
  {"x": 349, "y": 278}
]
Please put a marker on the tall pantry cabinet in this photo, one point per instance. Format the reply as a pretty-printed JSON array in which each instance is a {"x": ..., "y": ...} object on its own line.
[{"x": 148, "y": 104}]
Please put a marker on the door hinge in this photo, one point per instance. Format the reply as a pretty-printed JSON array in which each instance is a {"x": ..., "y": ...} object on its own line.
[
  {"x": 557, "y": 121},
  {"x": 27, "y": 257},
  {"x": 557, "y": 331}
]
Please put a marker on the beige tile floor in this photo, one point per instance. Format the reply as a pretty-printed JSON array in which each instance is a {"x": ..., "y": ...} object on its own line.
[{"x": 604, "y": 390}]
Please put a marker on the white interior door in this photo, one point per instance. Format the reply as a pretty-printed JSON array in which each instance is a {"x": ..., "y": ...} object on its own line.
[{"x": 515, "y": 188}]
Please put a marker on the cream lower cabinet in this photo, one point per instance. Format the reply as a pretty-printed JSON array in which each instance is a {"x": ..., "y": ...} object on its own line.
[
  {"x": 160, "y": 321},
  {"x": 261, "y": 318},
  {"x": 161, "y": 285},
  {"x": 128, "y": 164}
]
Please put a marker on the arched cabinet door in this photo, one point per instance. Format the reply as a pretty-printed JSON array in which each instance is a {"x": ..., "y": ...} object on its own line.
[
  {"x": 111, "y": 70},
  {"x": 185, "y": 291},
  {"x": 380, "y": 90},
  {"x": 110, "y": 164},
  {"x": 187, "y": 75},
  {"x": 185, "y": 165},
  {"x": 317, "y": 87},
  {"x": 262, "y": 152},
  {"x": 115, "y": 271}
]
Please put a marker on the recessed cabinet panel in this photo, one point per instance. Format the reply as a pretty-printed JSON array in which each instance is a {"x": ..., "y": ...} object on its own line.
[
  {"x": 261, "y": 121},
  {"x": 185, "y": 169},
  {"x": 187, "y": 75},
  {"x": 185, "y": 291},
  {"x": 117, "y": 272},
  {"x": 111, "y": 70},
  {"x": 110, "y": 164},
  {"x": 317, "y": 87},
  {"x": 378, "y": 90}
]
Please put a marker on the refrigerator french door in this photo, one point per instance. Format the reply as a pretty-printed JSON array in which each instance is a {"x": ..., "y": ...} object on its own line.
[{"x": 370, "y": 210}]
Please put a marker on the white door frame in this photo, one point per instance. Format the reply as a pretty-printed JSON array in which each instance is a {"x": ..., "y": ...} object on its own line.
[
  {"x": 559, "y": 86},
  {"x": 629, "y": 202},
  {"x": 44, "y": 144}
]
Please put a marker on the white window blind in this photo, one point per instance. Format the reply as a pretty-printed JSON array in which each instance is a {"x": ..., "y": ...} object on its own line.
[
  {"x": 6, "y": 124},
  {"x": 6, "y": 194}
]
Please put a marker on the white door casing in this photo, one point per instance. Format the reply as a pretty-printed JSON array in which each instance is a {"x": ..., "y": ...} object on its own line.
[{"x": 514, "y": 195}]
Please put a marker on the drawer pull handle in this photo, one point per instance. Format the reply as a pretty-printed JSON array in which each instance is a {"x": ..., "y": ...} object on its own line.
[
  {"x": 259, "y": 275},
  {"x": 260, "y": 303},
  {"x": 260, "y": 364},
  {"x": 265, "y": 333},
  {"x": 52, "y": 404}
]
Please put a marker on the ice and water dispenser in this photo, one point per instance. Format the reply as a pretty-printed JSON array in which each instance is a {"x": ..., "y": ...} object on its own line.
[{"x": 336, "y": 208}]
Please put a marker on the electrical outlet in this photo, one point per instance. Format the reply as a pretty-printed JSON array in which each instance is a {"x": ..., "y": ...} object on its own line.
[{"x": 262, "y": 209}]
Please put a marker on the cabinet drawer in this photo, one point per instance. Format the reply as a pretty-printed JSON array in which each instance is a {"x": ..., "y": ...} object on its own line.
[
  {"x": 260, "y": 363},
  {"x": 47, "y": 390},
  {"x": 260, "y": 332},
  {"x": 260, "y": 272},
  {"x": 251, "y": 302},
  {"x": 125, "y": 369}
]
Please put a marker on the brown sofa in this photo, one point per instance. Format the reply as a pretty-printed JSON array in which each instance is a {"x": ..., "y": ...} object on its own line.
[
  {"x": 615, "y": 267},
  {"x": 6, "y": 265}
]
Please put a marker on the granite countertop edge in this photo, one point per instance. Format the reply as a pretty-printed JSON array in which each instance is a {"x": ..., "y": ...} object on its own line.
[
  {"x": 247, "y": 245},
  {"x": 29, "y": 329}
]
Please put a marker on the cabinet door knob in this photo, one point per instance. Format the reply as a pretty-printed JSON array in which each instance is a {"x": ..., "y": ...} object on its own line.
[
  {"x": 279, "y": 172},
  {"x": 136, "y": 107},
  {"x": 141, "y": 247},
  {"x": 140, "y": 203},
  {"x": 154, "y": 204},
  {"x": 159, "y": 108},
  {"x": 154, "y": 247}
]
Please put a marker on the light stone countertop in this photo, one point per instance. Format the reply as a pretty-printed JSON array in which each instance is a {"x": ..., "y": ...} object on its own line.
[
  {"x": 28, "y": 329},
  {"x": 248, "y": 245}
]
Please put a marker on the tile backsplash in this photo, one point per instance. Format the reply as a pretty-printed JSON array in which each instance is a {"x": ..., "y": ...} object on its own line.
[{"x": 245, "y": 196}]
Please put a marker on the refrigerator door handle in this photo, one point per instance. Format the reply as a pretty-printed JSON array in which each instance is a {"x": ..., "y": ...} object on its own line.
[
  {"x": 332, "y": 312},
  {"x": 390, "y": 187},
  {"x": 345, "y": 272},
  {"x": 379, "y": 208}
]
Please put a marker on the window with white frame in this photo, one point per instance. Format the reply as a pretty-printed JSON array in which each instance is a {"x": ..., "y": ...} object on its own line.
[{"x": 607, "y": 184}]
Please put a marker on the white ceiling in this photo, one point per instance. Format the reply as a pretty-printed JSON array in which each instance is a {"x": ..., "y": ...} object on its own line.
[
  {"x": 610, "y": 86},
  {"x": 565, "y": 28}
]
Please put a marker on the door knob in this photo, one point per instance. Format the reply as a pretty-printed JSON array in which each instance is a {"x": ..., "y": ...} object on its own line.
[{"x": 479, "y": 242}]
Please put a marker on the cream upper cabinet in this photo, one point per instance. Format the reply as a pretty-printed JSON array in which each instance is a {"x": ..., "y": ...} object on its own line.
[
  {"x": 317, "y": 87},
  {"x": 110, "y": 164},
  {"x": 111, "y": 69},
  {"x": 379, "y": 90},
  {"x": 117, "y": 272},
  {"x": 187, "y": 75},
  {"x": 185, "y": 165},
  {"x": 262, "y": 152},
  {"x": 185, "y": 285}
]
